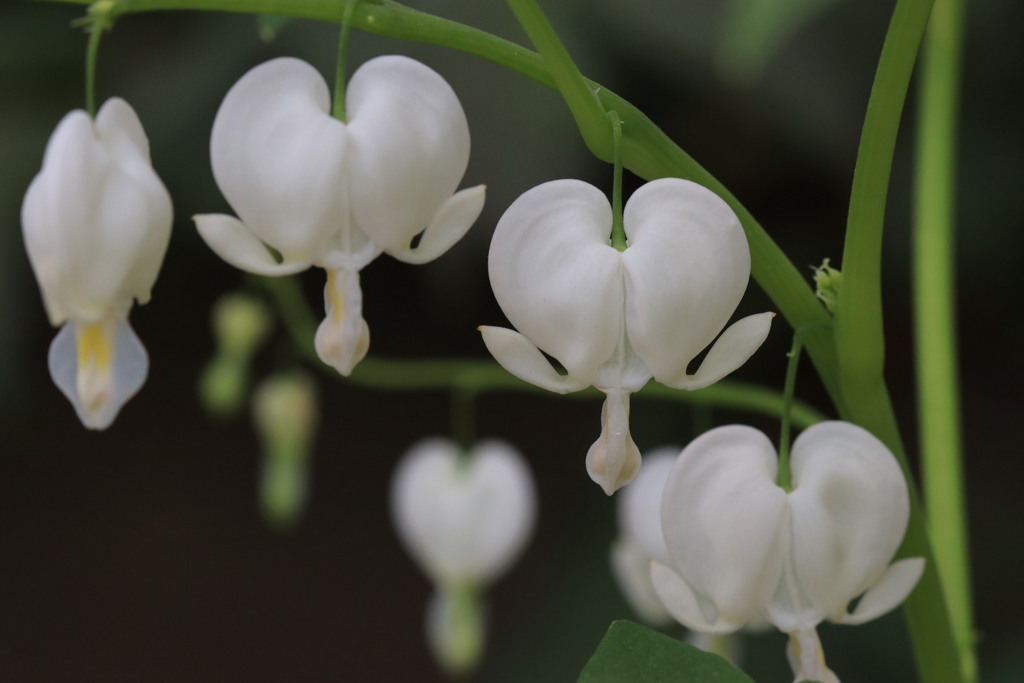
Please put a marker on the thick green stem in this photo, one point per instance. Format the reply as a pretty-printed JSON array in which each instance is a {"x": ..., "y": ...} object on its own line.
[
  {"x": 935, "y": 317},
  {"x": 858, "y": 324}
]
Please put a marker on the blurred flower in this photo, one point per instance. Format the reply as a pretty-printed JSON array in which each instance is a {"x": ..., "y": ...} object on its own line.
[
  {"x": 464, "y": 518},
  {"x": 614, "y": 319},
  {"x": 316, "y": 191},
  {"x": 96, "y": 221},
  {"x": 640, "y": 539},
  {"x": 285, "y": 411},
  {"x": 742, "y": 546}
]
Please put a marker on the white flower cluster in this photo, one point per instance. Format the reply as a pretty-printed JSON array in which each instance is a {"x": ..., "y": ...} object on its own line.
[{"x": 709, "y": 536}]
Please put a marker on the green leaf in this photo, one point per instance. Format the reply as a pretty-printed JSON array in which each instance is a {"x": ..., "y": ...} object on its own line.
[{"x": 631, "y": 653}]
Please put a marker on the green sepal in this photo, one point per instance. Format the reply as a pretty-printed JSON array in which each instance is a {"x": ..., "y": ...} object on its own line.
[{"x": 631, "y": 653}]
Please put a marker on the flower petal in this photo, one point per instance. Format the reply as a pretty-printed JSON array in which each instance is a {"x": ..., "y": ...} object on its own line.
[
  {"x": 515, "y": 353},
  {"x": 687, "y": 266},
  {"x": 234, "y": 242},
  {"x": 683, "y": 604},
  {"x": 639, "y": 504},
  {"x": 343, "y": 338},
  {"x": 723, "y": 519},
  {"x": 464, "y": 518},
  {"x": 410, "y": 148},
  {"x": 731, "y": 350},
  {"x": 632, "y": 569},
  {"x": 613, "y": 460},
  {"x": 447, "y": 227},
  {"x": 96, "y": 219},
  {"x": 849, "y": 509},
  {"x": 887, "y": 593},
  {"x": 279, "y": 158},
  {"x": 557, "y": 278},
  {"x": 98, "y": 367}
]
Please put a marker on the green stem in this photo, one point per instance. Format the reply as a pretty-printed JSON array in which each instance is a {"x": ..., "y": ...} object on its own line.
[
  {"x": 858, "y": 326},
  {"x": 338, "y": 110},
  {"x": 482, "y": 376},
  {"x": 579, "y": 94},
  {"x": 98, "y": 22},
  {"x": 935, "y": 318},
  {"x": 784, "y": 478},
  {"x": 618, "y": 228}
]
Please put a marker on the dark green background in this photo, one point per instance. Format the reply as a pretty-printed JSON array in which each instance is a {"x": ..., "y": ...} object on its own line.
[{"x": 139, "y": 555}]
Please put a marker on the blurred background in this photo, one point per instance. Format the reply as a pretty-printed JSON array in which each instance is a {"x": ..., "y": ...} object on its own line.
[{"x": 140, "y": 554}]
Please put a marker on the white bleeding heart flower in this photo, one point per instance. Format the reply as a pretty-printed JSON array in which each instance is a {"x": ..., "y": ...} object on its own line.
[
  {"x": 615, "y": 319},
  {"x": 741, "y": 546},
  {"x": 332, "y": 194},
  {"x": 96, "y": 222},
  {"x": 464, "y": 518},
  {"x": 640, "y": 539}
]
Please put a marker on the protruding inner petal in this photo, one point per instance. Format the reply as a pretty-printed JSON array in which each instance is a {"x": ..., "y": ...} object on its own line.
[
  {"x": 447, "y": 226},
  {"x": 738, "y": 343},
  {"x": 98, "y": 367},
  {"x": 807, "y": 659},
  {"x": 614, "y": 459},
  {"x": 343, "y": 337},
  {"x": 516, "y": 354}
]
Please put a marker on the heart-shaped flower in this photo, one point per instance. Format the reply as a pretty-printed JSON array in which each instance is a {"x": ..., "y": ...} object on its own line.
[
  {"x": 332, "y": 194},
  {"x": 741, "y": 546},
  {"x": 96, "y": 222},
  {"x": 614, "y": 319},
  {"x": 464, "y": 517}
]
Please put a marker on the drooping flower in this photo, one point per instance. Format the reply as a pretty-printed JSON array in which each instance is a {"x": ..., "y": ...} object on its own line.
[
  {"x": 464, "y": 518},
  {"x": 332, "y": 194},
  {"x": 614, "y": 319},
  {"x": 96, "y": 222},
  {"x": 742, "y": 546}
]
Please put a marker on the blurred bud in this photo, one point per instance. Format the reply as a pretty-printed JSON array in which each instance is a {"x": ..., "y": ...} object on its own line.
[
  {"x": 285, "y": 413},
  {"x": 240, "y": 324},
  {"x": 456, "y": 629},
  {"x": 826, "y": 283}
]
